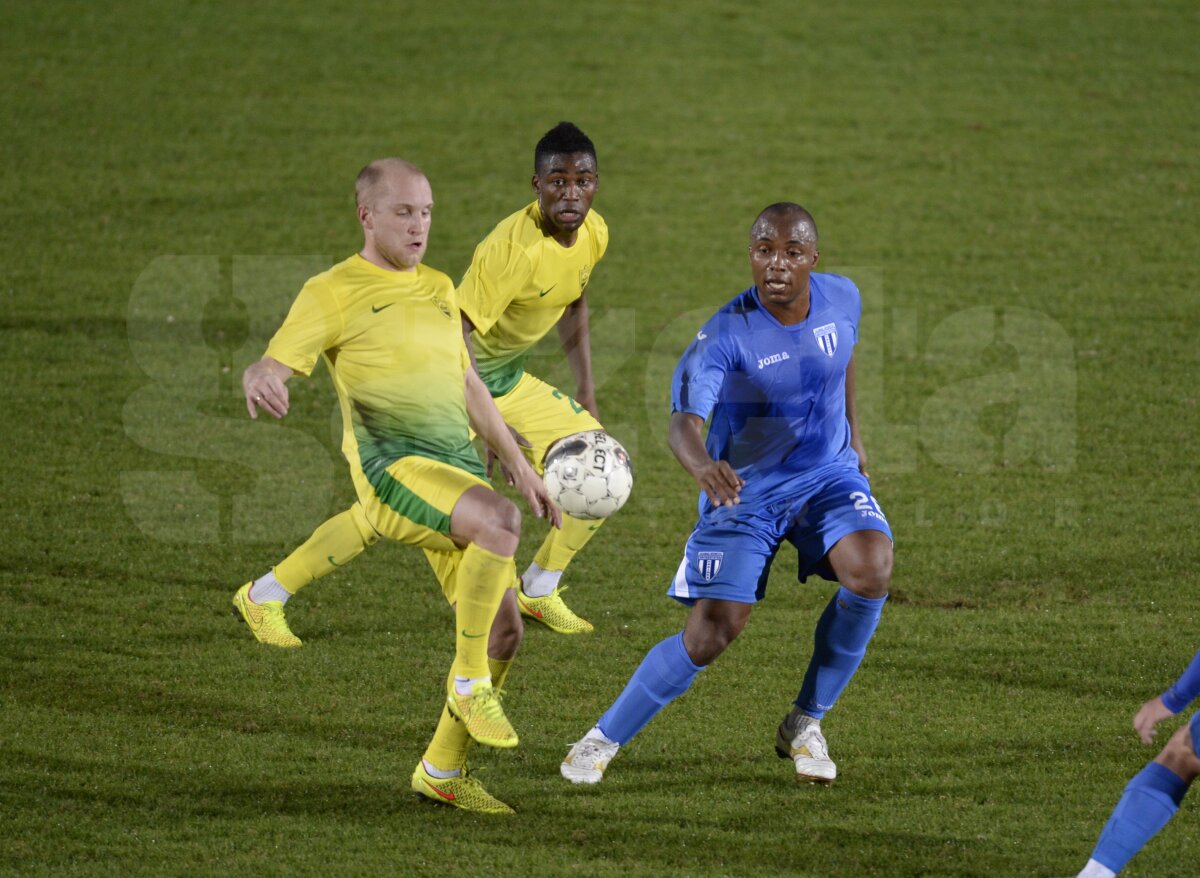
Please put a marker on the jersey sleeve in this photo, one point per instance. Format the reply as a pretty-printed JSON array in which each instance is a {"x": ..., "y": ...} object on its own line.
[
  {"x": 312, "y": 326},
  {"x": 701, "y": 372},
  {"x": 857, "y": 305},
  {"x": 854, "y": 305},
  {"x": 1185, "y": 689},
  {"x": 499, "y": 269}
]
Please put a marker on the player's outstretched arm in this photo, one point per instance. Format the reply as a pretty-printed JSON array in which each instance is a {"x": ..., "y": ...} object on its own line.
[
  {"x": 265, "y": 386},
  {"x": 1150, "y": 715},
  {"x": 575, "y": 334},
  {"x": 716, "y": 478},
  {"x": 487, "y": 422}
]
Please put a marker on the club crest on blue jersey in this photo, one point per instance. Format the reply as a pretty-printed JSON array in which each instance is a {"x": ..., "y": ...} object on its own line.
[
  {"x": 827, "y": 338},
  {"x": 709, "y": 564}
]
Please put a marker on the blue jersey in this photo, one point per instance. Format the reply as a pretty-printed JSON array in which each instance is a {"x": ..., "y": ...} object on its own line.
[{"x": 777, "y": 394}]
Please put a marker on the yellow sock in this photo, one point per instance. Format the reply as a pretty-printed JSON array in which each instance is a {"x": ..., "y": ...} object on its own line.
[
  {"x": 445, "y": 568},
  {"x": 448, "y": 748},
  {"x": 334, "y": 544},
  {"x": 499, "y": 669},
  {"x": 483, "y": 577},
  {"x": 562, "y": 544}
]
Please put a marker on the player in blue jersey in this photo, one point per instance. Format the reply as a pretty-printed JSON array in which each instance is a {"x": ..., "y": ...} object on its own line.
[
  {"x": 1154, "y": 794},
  {"x": 783, "y": 460}
]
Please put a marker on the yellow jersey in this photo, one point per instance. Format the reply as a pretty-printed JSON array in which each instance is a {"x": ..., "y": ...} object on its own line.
[
  {"x": 520, "y": 282},
  {"x": 393, "y": 343}
]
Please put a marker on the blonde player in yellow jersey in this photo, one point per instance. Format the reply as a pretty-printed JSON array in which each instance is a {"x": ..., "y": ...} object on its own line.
[
  {"x": 528, "y": 276},
  {"x": 390, "y": 332}
]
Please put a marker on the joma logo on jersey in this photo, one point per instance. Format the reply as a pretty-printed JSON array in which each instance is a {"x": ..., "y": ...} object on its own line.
[
  {"x": 826, "y": 338},
  {"x": 773, "y": 359}
]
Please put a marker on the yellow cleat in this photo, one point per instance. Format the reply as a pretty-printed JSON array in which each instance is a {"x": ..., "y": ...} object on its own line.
[
  {"x": 266, "y": 620},
  {"x": 552, "y": 612},
  {"x": 483, "y": 716},
  {"x": 458, "y": 792}
]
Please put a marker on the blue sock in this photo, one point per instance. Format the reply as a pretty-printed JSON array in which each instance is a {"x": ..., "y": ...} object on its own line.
[
  {"x": 839, "y": 644},
  {"x": 665, "y": 673},
  {"x": 1149, "y": 801}
]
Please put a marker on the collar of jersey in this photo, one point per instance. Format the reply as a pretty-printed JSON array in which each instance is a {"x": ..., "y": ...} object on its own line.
[{"x": 397, "y": 276}]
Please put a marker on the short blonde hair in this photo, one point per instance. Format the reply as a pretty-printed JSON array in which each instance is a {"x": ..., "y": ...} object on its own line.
[{"x": 367, "y": 184}]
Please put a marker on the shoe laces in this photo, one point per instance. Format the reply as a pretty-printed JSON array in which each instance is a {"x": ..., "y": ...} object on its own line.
[
  {"x": 488, "y": 703},
  {"x": 815, "y": 742},
  {"x": 593, "y": 750}
]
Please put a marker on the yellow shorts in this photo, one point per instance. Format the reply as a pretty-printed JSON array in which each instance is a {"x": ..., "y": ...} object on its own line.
[
  {"x": 412, "y": 501},
  {"x": 543, "y": 415}
]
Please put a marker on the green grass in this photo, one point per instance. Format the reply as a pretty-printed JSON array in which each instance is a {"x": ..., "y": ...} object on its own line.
[{"x": 1012, "y": 184}]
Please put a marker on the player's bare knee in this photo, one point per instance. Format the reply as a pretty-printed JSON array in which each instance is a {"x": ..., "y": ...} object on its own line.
[
  {"x": 863, "y": 563},
  {"x": 726, "y": 635},
  {"x": 711, "y": 627},
  {"x": 500, "y": 529},
  {"x": 704, "y": 647},
  {"x": 507, "y": 518},
  {"x": 868, "y": 581},
  {"x": 1180, "y": 756}
]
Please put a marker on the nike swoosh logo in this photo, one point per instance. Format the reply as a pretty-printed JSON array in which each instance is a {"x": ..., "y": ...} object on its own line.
[
  {"x": 375, "y": 310},
  {"x": 331, "y": 561},
  {"x": 537, "y": 614},
  {"x": 472, "y": 636},
  {"x": 448, "y": 796},
  {"x": 544, "y": 292}
]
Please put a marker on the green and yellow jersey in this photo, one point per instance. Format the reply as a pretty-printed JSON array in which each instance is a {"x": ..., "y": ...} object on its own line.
[
  {"x": 519, "y": 284},
  {"x": 393, "y": 343}
]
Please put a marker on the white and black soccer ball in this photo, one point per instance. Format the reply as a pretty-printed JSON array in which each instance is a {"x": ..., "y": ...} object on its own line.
[{"x": 588, "y": 474}]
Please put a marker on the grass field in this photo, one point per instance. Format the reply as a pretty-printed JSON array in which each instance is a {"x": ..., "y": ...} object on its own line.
[{"x": 1014, "y": 186}]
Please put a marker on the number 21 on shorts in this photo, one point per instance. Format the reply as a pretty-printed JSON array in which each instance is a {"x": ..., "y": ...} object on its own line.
[{"x": 865, "y": 504}]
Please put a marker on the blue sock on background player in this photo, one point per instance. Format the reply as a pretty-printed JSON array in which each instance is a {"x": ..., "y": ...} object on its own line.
[
  {"x": 664, "y": 674},
  {"x": 839, "y": 644},
  {"x": 1150, "y": 799}
]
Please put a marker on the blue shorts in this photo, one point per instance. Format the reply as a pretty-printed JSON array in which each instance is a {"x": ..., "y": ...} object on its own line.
[
  {"x": 729, "y": 554},
  {"x": 1194, "y": 728}
]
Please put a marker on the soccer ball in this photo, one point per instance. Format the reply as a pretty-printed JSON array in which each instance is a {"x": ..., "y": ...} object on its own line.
[{"x": 588, "y": 474}]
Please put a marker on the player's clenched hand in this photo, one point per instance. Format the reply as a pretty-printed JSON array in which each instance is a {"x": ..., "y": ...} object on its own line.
[
  {"x": 1151, "y": 714},
  {"x": 533, "y": 489},
  {"x": 264, "y": 385},
  {"x": 721, "y": 483},
  {"x": 493, "y": 458}
]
